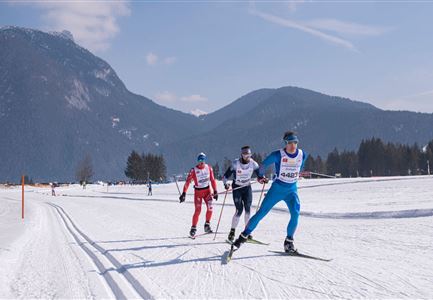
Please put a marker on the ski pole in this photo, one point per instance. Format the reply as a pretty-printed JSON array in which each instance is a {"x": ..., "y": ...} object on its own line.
[
  {"x": 261, "y": 194},
  {"x": 239, "y": 187},
  {"x": 219, "y": 220},
  {"x": 175, "y": 179}
]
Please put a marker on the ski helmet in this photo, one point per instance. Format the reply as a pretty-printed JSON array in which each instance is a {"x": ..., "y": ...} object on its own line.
[
  {"x": 290, "y": 137},
  {"x": 201, "y": 157}
]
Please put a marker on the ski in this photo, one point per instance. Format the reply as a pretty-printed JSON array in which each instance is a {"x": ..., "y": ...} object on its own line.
[
  {"x": 302, "y": 255},
  {"x": 230, "y": 254},
  {"x": 257, "y": 242},
  {"x": 200, "y": 234},
  {"x": 251, "y": 241}
]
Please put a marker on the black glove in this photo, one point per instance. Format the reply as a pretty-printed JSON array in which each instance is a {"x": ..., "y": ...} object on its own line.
[
  {"x": 182, "y": 197},
  {"x": 227, "y": 186},
  {"x": 263, "y": 180},
  {"x": 215, "y": 195}
]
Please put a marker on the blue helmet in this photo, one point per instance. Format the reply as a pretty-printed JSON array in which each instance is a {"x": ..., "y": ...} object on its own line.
[
  {"x": 201, "y": 157},
  {"x": 290, "y": 137}
]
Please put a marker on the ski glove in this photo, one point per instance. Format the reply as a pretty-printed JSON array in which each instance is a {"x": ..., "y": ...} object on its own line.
[
  {"x": 215, "y": 195},
  {"x": 262, "y": 180},
  {"x": 227, "y": 186},
  {"x": 182, "y": 197}
]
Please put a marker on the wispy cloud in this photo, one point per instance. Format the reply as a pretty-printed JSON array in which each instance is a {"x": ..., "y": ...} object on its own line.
[
  {"x": 169, "y": 97},
  {"x": 330, "y": 30},
  {"x": 151, "y": 59},
  {"x": 165, "y": 97},
  {"x": 194, "y": 98},
  {"x": 94, "y": 24},
  {"x": 348, "y": 28},
  {"x": 304, "y": 28}
]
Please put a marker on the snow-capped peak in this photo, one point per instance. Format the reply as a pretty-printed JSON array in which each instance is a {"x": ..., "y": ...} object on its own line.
[{"x": 197, "y": 112}]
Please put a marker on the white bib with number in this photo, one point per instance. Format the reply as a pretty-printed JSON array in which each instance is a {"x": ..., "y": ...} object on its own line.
[
  {"x": 290, "y": 167},
  {"x": 203, "y": 177},
  {"x": 244, "y": 172}
]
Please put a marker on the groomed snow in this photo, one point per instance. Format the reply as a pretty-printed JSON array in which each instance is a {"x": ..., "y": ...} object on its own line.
[{"x": 117, "y": 242}]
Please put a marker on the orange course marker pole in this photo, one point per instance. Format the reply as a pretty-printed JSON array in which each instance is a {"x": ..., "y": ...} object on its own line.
[{"x": 22, "y": 197}]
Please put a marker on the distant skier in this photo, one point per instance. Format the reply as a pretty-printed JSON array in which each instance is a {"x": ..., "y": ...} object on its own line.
[
  {"x": 149, "y": 186},
  {"x": 53, "y": 192},
  {"x": 203, "y": 177},
  {"x": 289, "y": 162},
  {"x": 242, "y": 169}
]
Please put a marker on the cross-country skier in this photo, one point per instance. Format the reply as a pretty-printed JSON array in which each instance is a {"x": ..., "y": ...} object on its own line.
[
  {"x": 203, "y": 177},
  {"x": 53, "y": 191},
  {"x": 149, "y": 185},
  {"x": 242, "y": 170},
  {"x": 288, "y": 162}
]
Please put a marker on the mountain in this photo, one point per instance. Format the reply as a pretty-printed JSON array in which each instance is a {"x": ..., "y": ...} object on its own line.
[
  {"x": 59, "y": 102},
  {"x": 323, "y": 122}
]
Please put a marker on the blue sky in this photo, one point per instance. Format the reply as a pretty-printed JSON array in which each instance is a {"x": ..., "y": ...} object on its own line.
[{"x": 203, "y": 55}]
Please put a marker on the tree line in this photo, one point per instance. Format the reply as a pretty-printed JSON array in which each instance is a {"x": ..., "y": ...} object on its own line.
[
  {"x": 375, "y": 158},
  {"x": 141, "y": 168}
]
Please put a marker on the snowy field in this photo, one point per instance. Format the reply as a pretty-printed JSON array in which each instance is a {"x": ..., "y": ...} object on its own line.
[{"x": 118, "y": 242}]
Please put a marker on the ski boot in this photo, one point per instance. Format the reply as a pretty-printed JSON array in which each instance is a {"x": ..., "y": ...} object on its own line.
[
  {"x": 250, "y": 237},
  {"x": 207, "y": 228},
  {"x": 231, "y": 236},
  {"x": 193, "y": 231},
  {"x": 240, "y": 240},
  {"x": 289, "y": 247}
]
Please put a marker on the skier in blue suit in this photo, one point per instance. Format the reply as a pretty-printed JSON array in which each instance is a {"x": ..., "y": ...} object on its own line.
[{"x": 288, "y": 162}]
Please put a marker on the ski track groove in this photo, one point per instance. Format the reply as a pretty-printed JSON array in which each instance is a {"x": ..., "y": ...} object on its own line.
[
  {"x": 65, "y": 235},
  {"x": 112, "y": 285},
  {"x": 118, "y": 293}
]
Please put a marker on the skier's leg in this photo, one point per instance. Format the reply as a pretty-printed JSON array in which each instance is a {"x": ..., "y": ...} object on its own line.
[
  {"x": 248, "y": 199},
  {"x": 237, "y": 199},
  {"x": 208, "y": 201},
  {"x": 197, "y": 205},
  {"x": 274, "y": 195},
  {"x": 294, "y": 205}
]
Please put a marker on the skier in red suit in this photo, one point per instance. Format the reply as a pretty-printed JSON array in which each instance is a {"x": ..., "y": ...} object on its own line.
[{"x": 203, "y": 177}]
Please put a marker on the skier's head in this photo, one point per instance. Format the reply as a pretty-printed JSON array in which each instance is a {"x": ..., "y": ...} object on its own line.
[
  {"x": 201, "y": 158},
  {"x": 291, "y": 141},
  {"x": 246, "y": 153}
]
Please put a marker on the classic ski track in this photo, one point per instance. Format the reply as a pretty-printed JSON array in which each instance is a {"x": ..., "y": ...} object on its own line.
[
  {"x": 262, "y": 278},
  {"x": 22, "y": 286},
  {"x": 108, "y": 280},
  {"x": 136, "y": 288}
]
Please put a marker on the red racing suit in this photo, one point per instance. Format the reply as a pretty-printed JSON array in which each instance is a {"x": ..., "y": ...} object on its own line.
[{"x": 203, "y": 177}]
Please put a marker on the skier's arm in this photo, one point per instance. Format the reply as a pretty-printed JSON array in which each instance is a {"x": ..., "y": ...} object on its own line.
[
  {"x": 271, "y": 159},
  {"x": 188, "y": 180},
  {"x": 228, "y": 174},
  {"x": 304, "y": 158},
  {"x": 212, "y": 180},
  {"x": 256, "y": 169}
]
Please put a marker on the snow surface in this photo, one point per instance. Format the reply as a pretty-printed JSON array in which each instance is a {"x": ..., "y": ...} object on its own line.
[{"x": 115, "y": 242}]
